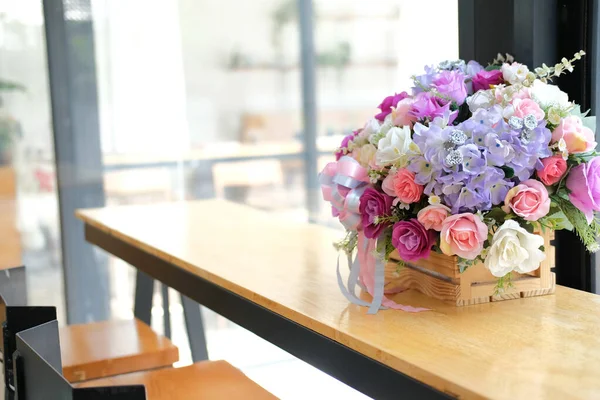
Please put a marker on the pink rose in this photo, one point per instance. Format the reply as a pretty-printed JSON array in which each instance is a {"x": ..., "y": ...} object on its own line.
[
  {"x": 553, "y": 169},
  {"x": 578, "y": 138},
  {"x": 452, "y": 84},
  {"x": 401, "y": 114},
  {"x": 529, "y": 200},
  {"x": 433, "y": 216},
  {"x": 463, "y": 235},
  {"x": 524, "y": 107},
  {"x": 484, "y": 79},
  {"x": 412, "y": 240},
  {"x": 584, "y": 183},
  {"x": 402, "y": 185}
]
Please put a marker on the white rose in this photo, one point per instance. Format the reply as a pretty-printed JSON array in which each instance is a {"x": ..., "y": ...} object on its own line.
[
  {"x": 481, "y": 99},
  {"x": 549, "y": 95},
  {"x": 514, "y": 73},
  {"x": 514, "y": 249},
  {"x": 394, "y": 147}
]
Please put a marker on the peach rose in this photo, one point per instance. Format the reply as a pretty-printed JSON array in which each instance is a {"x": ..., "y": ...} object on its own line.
[
  {"x": 529, "y": 200},
  {"x": 401, "y": 114},
  {"x": 402, "y": 185},
  {"x": 578, "y": 138},
  {"x": 524, "y": 107},
  {"x": 463, "y": 235},
  {"x": 553, "y": 169},
  {"x": 432, "y": 217}
]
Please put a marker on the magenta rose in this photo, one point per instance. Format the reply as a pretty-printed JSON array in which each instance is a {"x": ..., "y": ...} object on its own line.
[
  {"x": 387, "y": 104},
  {"x": 452, "y": 84},
  {"x": 484, "y": 79},
  {"x": 412, "y": 240},
  {"x": 374, "y": 204},
  {"x": 584, "y": 183}
]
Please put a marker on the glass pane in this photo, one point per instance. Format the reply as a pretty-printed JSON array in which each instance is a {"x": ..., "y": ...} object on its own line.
[
  {"x": 207, "y": 106},
  {"x": 29, "y": 224},
  {"x": 368, "y": 50}
]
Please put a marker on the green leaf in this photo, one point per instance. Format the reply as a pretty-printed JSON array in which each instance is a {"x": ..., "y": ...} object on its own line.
[
  {"x": 492, "y": 67},
  {"x": 508, "y": 172}
]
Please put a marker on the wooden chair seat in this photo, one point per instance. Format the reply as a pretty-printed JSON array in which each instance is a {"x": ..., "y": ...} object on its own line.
[
  {"x": 101, "y": 349},
  {"x": 205, "y": 380}
]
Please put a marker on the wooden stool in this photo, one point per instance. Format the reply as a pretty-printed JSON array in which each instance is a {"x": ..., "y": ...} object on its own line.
[
  {"x": 96, "y": 350},
  {"x": 90, "y": 351},
  {"x": 204, "y": 380}
]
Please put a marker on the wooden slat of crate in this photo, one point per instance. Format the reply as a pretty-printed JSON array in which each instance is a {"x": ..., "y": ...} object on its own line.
[
  {"x": 409, "y": 278},
  {"x": 440, "y": 263}
]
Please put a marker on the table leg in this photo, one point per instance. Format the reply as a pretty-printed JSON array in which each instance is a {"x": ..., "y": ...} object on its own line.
[
  {"x": 144, "y": 289},
  {"x": 195, "y": 329},
  {"x": 164, "y": 289}
]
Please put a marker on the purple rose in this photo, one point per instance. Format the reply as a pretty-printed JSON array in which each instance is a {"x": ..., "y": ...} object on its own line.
[
  {"x": 484, "y": 79},
  {"x": 412, "y": 240},
  {"x": 374, "y": 204},
  {"x": 452, "y": 84},
  {"x": 584, "y": 183},
  {"x": 387, "y": 104},
  {"x": 426, "y": 105}
]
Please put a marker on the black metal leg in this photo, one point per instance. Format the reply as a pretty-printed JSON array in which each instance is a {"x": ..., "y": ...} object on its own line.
[
  {"x": 195, "y": 329},
  {"x": 144, "y": 289},
  {"x": 164, "y": 289}
]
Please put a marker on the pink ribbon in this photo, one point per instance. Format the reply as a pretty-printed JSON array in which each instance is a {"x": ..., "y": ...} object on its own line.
[
  {"x": 342, "y": 184},
  {"x": 373, "y": 279}
]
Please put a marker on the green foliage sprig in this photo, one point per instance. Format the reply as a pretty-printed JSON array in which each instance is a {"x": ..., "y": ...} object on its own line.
[{"x": 588, "y": 233}]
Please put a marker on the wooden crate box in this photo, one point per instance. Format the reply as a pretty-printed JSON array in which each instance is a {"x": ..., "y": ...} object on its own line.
[{"x": 438, "y": 276}]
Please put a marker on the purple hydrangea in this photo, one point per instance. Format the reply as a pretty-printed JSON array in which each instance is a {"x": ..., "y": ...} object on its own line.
[{"x": 473, "y": 165}]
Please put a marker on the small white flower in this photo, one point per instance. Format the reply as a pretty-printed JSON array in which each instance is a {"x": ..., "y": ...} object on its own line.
[
  {"x": 394, "y": 147},
  {"x": 514, "y": 73},
  {"x": 433, "y": 200},
  {"x": 562, "y": 145},
  {"x": 514, "y": 249},
  {"x": 401, "y": 205},
  {"x": 371, "y": 128},
  {"x": 548, "y": 95},
  {"x": 554, "y": 116}
]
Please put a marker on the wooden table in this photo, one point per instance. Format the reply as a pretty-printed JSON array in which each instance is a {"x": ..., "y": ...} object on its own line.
[{"x": 277, "y": 279}]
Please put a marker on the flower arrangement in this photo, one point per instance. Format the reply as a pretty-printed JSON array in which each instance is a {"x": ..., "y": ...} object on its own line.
[{"x": 473, "y": 163}]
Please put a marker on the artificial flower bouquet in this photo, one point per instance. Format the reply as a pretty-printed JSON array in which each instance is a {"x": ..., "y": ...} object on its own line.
[{"x": 477, "y": 164}]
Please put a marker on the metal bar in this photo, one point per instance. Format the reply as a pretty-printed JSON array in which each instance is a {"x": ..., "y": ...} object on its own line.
[
  {"x": 164, "y": 289},
  {"x": 144, "y": 291},
  {"x": 79, "y": 174},
  {"x": 309, "y": 106},
  {"x": 352, "y": 368},
  {"x": 195, "y": 329}
]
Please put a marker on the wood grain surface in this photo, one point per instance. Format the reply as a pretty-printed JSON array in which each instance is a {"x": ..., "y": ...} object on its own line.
[
  {"x": 100, "y": 349},
  {"x": 206, "y": 380},
  {"x": 544, "y": 347}
]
